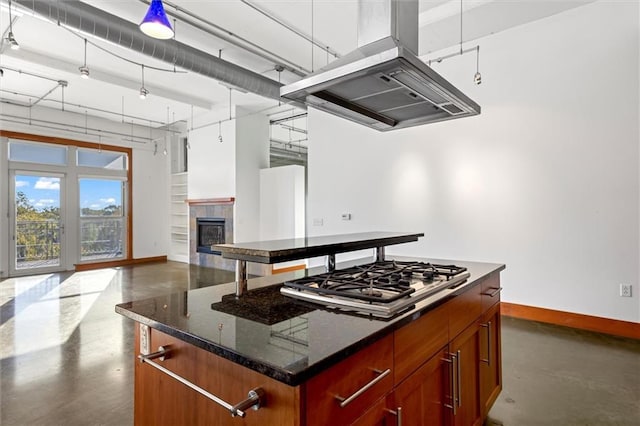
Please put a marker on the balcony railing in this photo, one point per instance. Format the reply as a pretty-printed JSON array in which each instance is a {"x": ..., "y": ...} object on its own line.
[
  {"x": 38, "y": 241},
  {"x": 101, "y": 238}
]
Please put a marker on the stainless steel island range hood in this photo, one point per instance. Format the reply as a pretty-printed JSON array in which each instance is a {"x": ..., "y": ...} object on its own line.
[{"x": 383, "y": 84}]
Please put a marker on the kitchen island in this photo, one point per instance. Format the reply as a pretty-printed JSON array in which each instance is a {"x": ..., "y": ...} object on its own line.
[{"x": 210, "y": 357}]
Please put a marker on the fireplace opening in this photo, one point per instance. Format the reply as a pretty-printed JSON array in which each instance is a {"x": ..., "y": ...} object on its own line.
[{"x": 209, "y": 231}]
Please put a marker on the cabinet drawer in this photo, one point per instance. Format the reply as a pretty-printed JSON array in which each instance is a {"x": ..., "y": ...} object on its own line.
[
  {"x": 418, "y": 341},
  {"x": 490, "y": 291},
  {"x": 378, "y": 415},
  {"x": 160, "y": 399},
  {"x": 464, "y": 309},
  {"x": 326, "y": 392}
]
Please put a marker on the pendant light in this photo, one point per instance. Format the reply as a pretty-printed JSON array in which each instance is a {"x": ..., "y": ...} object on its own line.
[
  {"x": 155, "y": 23},
  {"x": 143, "y": 91},
  {"x": 84, "y": 69},
  {"x": 477, "y": 78},
  {"x": 10, "y": 37}
]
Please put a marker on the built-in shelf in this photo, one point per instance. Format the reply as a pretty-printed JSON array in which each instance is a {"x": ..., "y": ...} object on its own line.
[{"x": 179, "y": 232}]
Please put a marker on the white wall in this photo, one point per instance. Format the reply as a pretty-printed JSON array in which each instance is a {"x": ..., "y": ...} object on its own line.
[
  {"x": 282, "y": 198},
  {"x": 150, "y": 198},
  {"x": 211, "y": 162},
  {"x": 252, "y": 154},
  {"x": 546, "y": 180}
]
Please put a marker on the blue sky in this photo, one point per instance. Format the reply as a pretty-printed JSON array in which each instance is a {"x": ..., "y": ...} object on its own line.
[{"x": 44, "y": 191}]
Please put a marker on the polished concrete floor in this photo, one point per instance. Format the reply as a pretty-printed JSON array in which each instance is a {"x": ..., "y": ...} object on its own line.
[{"x": 66, "y": 356}]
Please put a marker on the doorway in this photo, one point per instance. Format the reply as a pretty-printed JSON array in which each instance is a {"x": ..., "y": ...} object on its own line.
[{"x": 37, "y": 222}]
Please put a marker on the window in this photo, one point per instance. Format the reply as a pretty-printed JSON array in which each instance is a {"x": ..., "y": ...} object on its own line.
[
  {"x": 28, "y": 152},
  {"x": 102, "y": 159},
  {"x": 102, "y": 218}
]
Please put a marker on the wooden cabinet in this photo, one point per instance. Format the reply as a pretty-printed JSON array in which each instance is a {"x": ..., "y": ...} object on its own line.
[
  {"x": 378, "y": 415},
  {"x": 490, "y": 358},
  {"x": 416, "y": 342},
  {"x": 424, "y": 396},
  {"x": 464, "y": 310},
  {"x": 490, "y": 291},
  {"x": 341, "y": 394},
  {"x": 464, "y": 353},
  {"x": 447, "y": 357},
  {"x": 161, "y": 400}
]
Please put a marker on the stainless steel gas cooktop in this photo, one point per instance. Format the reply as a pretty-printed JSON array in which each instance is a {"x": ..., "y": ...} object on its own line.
[{"x": 381, "y": 289}]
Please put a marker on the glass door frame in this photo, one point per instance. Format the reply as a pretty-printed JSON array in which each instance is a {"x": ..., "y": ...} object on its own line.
[
  {"x": 124, "y": 218},
  {"x": 40, "y": 171},
  {"x": 71, "y": 171}
]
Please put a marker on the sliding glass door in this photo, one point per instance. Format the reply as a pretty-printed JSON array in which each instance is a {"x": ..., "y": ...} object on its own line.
[
  {"x": 37, "y": 222},
  {"x": 53, "y": 186}
]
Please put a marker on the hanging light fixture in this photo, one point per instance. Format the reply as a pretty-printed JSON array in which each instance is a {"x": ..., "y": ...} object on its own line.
[
  {"x": 155, "y": 23},
  {"x": 10, "y": 37},
  {"x": 477, "y": 78},
  {"x": 84, "y": 69},
  {"x": 143, "y": 91}
]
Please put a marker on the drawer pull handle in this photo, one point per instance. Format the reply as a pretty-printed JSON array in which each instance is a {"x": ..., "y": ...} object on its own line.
[
  {"x": 452, "y": 382},
  {"x": 255, "y": 399},
  {"x": 346, "y": 401},
  {"x": 494, "y": 292},
  {"x": 488, "y": 358},
  {"x": 397, "y": 413},
  {"x": 459, "y": 378}
]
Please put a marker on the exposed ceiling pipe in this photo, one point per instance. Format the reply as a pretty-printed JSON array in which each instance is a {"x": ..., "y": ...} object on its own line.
[
  {"x": 84, "y": 17},
  {"x": 217, "y": 31}
]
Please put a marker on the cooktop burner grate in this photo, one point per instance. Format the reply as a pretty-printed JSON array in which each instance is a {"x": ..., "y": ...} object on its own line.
[{"x": 379, "y": 282}]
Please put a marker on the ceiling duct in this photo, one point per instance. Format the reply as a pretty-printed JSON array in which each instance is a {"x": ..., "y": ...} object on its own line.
[
  {"x": 383, "y": 84},
  {"x": 84, "y": 17}
]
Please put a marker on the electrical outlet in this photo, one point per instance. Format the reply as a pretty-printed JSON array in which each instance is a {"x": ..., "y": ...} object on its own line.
[
  {"x": 318, "y": 222},
  {"x": 625, "y": 290}
]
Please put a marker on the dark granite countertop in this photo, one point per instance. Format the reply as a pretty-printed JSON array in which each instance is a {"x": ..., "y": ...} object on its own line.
[
  {"x": 303, "y": 248},
  {"x": 287, "y": 340}
]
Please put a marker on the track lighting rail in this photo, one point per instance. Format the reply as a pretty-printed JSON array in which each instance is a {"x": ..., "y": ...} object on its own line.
[
  {"x": 477, "y": 77},
  {"x": 60, "y": 83},
  {"x": 215, "y": 30},
  {"x": 45, "y": 124},
  {"x": 451, "y": 55},
  {"x": 32, "y": 74},
  {"x": 291, "y": 28},
  {"x": 290, "y": 118}
]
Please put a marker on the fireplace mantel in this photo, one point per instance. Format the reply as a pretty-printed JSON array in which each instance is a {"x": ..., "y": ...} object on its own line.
[{"x": 209, "y": 201}]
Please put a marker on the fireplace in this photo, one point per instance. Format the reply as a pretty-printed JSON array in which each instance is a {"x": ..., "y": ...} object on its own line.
[{"x": 209, "y": 231}]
